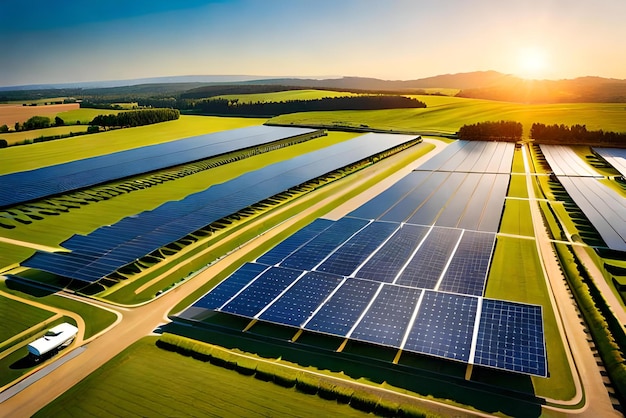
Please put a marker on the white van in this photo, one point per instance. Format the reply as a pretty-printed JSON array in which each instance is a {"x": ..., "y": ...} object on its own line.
[{"x": 57, "y": 337}]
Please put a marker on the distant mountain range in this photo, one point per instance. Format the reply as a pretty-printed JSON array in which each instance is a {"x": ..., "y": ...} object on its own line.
[{"x": 490, "y": 85}]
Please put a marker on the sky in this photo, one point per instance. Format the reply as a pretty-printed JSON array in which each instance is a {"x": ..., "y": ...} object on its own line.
[{"x": 68, "y": 41}]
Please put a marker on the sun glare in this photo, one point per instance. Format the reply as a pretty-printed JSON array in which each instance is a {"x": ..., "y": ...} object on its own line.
[{"x": 532, "y": 62}]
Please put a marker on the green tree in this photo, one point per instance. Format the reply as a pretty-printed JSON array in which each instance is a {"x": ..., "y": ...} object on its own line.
[
  {"x": 58, "y": 121},
  {"x": 37, "y": 122},
  {"x": 3, "y": 143},
  {"x": 17, "y": 126},
  {"x": 4, "y": 128}
]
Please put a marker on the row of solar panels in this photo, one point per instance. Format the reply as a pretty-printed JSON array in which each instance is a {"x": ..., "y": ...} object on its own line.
[
  {"x": 447, "y": 259},
  {"x": 109, "y": 248},
  {"x": 473, "y": 157},
  {"x": 46, "y": 181},
  {"x": 494, "y": 333},
  {"x": 458, "y": 200},
  {"x": 614, "y": 156},
  {"x": 603, "y": 206},
  {"x": 565, "y": 162}
]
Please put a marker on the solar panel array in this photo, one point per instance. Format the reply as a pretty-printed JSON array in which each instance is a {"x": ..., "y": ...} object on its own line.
[
  {"x": 401, "y": 271},
  {"x": 614, "y": 156},
  {"x": 109, "y": 248},
  {"x": 493, "y": 333},
  {"x": 604, "y": 207},
  {"x": 458, "y": 200},
  {"x": 565, "y": 162},
  {"x": 46, "y": 181}
]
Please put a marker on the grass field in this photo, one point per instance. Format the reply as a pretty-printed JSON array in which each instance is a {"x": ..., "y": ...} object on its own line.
[
  {"x": 132, "y": 385},
  {"x": 282, "y": 96},
  {"x": 19, "y": 137},
  {"x": 516, "y": 218},
  {"x": 448, "y": 114},
  {"x": 17, "y": 317},
  {"x": 84, "y": 116},
  {"x": 64, "y": 150}
]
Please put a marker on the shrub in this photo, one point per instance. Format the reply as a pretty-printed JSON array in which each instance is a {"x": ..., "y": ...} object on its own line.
[{"x": 364, "y": 401}]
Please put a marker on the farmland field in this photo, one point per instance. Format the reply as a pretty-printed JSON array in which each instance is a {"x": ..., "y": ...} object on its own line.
[
  {"x": 285, "y": 95},
  {"x": 131, "y": 385},
  {"x": 16, "y": 317},
  {"x": 448, "y": 114},
  {"x": 9, "y": 114},
  {"x": 84, "y": 116},
  {"x": 19, "y": 137}
]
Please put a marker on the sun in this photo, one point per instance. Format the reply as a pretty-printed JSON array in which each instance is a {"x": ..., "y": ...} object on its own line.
[{"x": 532, "y": 62}]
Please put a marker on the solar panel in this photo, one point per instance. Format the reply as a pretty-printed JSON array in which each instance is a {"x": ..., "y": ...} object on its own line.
[
  {"x": 293, "y": 242},
  {"x": 299, "y": 302},
  {"x": 353, "y": 252},
  {"x": 262, "y": 291},
  {"x": 386, "y": 263},
  {"x": 36, "y": 184},
  {"x": 467, "y": 272},
  {"x": 386, "y": 321},
  {"x": 316, "y": 250},
  {"x": 425, "y": 268},
  {"x": 343, "y": 309},
  {"x": 614, "y": 156},
  {"x": 564, "y": 161},
  {"x": 444, "y": 326},
  {"x": 510, "y": 337},
  {"x": 435, "y": 202},
  {"x": 405, "y": 208},
  {"x": 228, "y": 288},
  {"x": 139, "y": 235}
]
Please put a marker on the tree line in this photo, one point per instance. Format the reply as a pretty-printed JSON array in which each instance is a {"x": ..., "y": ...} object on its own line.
[
  {"x": 136, "y": 117},
  {"x": 575, "y": 134},
  {"x": 508, "y": 131},
  {"x": 235, "y": 107}
]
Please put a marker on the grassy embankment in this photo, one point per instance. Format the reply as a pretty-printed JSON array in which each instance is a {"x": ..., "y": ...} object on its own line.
[{"x": 448, "y": 114}]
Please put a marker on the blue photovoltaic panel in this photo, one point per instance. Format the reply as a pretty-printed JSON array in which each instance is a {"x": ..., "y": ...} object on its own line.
[
  {"x": 293, "y": 242},
  {"x": 475, "y": 207},
  {"x": 444, "y": 326},
  {"x": 457, "y": 204},
  {"x": 406, "y": 207},
  {"x": 112, "y": 247},
  {"x": 438, "y": 160},
  {"x": 36, "y": 184},
  {"x": 473, "y": 157},
  {"x": 510, "y": 337},
  {"x": 468, "y": 269},
  {"x": 352, "y": 253},
  {"x": 343, "y": 309},
  {"x": 301, "y": 300},
  {"x": 321, "y": 246},
  {"x": 229, "y": 287},
  {"x": 425, "y": 268},
  {"x": 492, "y": 214},
  {"x": 429, "y": 211},
  {"x": 261, "y": 292},
  {"x": 385, "y": 265},
  {"x": 379, "y": 205},
  {"x": 387, "y": 319}
]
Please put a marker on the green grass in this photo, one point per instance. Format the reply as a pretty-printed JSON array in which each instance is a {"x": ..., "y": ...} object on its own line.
[
  {"x": 17, "y": 317},
  {"x": 517, "y": 186},
  {"x": 448, "y": 114},
  {"x": 516, "y": 275},
  {"x": 516, "y": 219},
  {"x": 282, "y": 96},
  {"x": 84, "y": 115},
  {"x": 10, "y": 254},
  {"x": 13, "y": 138},
  {"x": 96, "y": 319},
  {"x": 70, "y": 149},
  {"x": 147, "y": 381}
]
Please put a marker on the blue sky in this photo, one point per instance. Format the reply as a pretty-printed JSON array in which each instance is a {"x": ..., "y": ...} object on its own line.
[{"x": 72, "y": 41}]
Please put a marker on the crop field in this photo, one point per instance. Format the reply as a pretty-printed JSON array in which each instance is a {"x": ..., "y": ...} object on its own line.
[
  {"x": 283, "y": 96},
  {"x": 84, "y": 116},
  {"x": 22, "y": 137},
  {"x": 448, "y": 114},
  {"x": 131, "y": 385},
  {"x": 9, "y": 114},
  {"x": 17, "y": 317}
]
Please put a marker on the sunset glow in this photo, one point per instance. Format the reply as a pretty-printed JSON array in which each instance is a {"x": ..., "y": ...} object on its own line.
[{"x": 533, "y": 63}]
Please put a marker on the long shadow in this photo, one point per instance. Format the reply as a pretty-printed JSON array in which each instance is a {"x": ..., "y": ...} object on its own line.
[
  {"x": 19, "y": 284},
  {"x": 506, "y": 393}
]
